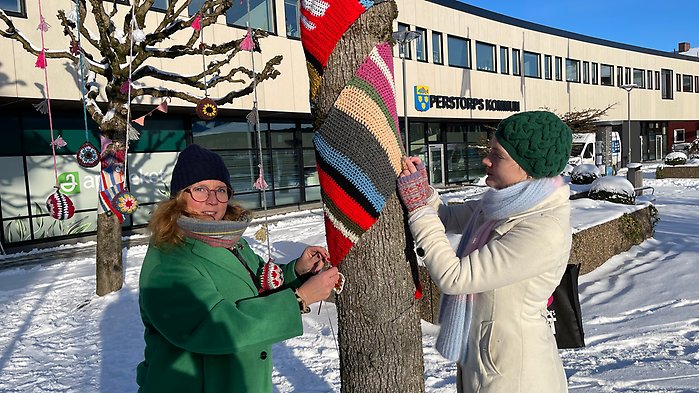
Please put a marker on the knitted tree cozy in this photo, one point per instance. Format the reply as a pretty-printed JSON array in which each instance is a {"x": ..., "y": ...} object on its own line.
[
  {"x": 358, "y": 153},
  {"x": 323, "y": 22}
]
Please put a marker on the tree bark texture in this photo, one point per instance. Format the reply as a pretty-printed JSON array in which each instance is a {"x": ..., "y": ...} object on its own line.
[
  {"x": 109, "y": 269},
  {"x": 379, "y": 327}
]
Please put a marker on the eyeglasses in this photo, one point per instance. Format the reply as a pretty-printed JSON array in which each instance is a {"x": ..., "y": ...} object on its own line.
[{"x": 201, "y": 193}]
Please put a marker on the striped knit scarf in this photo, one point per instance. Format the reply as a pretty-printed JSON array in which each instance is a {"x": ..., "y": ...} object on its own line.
[
  {"x": 456, "y": 311},
  {"x": 219, "y": 233}
]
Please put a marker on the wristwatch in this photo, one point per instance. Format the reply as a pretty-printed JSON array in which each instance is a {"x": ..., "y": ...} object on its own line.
[{"x": 302, "y": 305}]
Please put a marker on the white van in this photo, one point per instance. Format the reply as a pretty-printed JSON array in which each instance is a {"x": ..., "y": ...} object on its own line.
[{"x": 585, "y": 149}]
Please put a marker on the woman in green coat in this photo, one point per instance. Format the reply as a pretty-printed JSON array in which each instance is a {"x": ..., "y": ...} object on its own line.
[{"x": 210, "y": 306}]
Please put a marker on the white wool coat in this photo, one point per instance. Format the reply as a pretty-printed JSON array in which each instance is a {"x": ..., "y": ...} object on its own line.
[{"x": 511, "y": 349}]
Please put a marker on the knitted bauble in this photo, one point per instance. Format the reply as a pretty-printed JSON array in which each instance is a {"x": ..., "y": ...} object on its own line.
[
  {"x": 60, "y": 206},
  {"x": 125, "y": 202},
  {"x": 272, "y": 277},
  {"x": 195, "y": 164},
  {"x": 207, "y": 109},
  {"x": 87, "y": 155},
  {"x": 538, "y": 141}
]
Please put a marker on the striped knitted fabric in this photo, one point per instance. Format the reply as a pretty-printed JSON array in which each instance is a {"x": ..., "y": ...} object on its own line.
[
  {"x": 358, "y": 153},
  {"x": 323, "y": 22},
  {"x": 111, "y": 184}
]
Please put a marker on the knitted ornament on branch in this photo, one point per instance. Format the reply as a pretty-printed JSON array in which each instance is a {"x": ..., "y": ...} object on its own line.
[
  {"x": 125, "y": 202},
  {"x": 207, "y": 109},
  {"x": 87, "y": 155},
  {"x": 60, "y": 206},
  {"x": 272, "y": 277}
]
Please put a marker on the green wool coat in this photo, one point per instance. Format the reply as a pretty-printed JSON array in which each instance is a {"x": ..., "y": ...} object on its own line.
[{"x": 207, "y": 329}]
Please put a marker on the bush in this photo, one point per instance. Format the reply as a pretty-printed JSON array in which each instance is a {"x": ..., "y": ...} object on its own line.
[
  {"x": 613, "y": 189},
  {"x": 584, "y": 174},
  {"x": 676, "y": 158}
]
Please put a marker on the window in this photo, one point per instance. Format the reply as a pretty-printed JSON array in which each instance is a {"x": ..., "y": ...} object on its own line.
[
  {"x": 437, "y": 48},
  {"x": 404, "y": 49},
  {"x": 679, "y": 82},
  {"x": 421, "y": 45},
  {"x": 627, "y": 76},
  {"x": 639, "y": 78},
  {"x": 586, "y": 72},
  {"x": 650, "y": 80},
  {"x": 12, "y": 7},
  {"x": 572, "y": 70},
  {"x": 657, "y": 80},
  {"x": 606, "y": 75},
  {"x": 459, "y": 51},
  {"x": 595, "y": 73},
  {"x": 619, "y": 75},
  {"x": 485, "y": 57},
  {"x": 292, "y": 12},
  {"x": 261, "y": 14},
  {"x": 687, "y": 83},
  {"x": 696, "y": 84},
  {"x": 157, "y": 4},
  {"x": 532, "y": 64},
  {"x": 558, "y": 69},
  {"x": 679, "y": 135},
  {"x": 515, "y": 62},
  {"x": 547, "y": 67},
  {"x": 666, "y": 84},
  {"x": 504, "y": 60}
]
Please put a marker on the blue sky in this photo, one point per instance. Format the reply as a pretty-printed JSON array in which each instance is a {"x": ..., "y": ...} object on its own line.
[{"x": 650, "y": 24}]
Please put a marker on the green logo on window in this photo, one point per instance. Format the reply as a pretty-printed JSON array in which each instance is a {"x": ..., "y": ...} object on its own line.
[{"x": 69, "y": 183}]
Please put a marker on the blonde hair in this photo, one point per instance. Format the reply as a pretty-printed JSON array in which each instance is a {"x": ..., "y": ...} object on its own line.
[{"x": 163, "y": 223}]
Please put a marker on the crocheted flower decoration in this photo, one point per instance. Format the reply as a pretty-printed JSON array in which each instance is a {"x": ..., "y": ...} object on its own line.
[
  {"x": 87, "y": 155},
  {"x": 125, "y": 202},
  {"x": 60, "y": 206},
  {"x": 340, "y": 284},
  {"x": 207, "y": 109},
  {"x": 272, "y": 277}
]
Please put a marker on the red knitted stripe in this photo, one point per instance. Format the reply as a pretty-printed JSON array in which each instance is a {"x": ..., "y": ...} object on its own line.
[
  {"x": 321, "y": 41},
  {"x": 348, "y": 206},
  {"x": 338, "y": 244}
]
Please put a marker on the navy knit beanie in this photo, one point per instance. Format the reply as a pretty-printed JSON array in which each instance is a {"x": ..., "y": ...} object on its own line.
[
  {"x": 195, "y": 164},
  {"x": 538, "y": 141}
]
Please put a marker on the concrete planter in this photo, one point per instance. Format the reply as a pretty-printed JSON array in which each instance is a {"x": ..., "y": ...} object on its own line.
[{"x": 680, "y": 171}]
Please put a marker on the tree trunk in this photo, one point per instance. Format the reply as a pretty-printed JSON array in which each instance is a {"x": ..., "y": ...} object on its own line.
[
  {"x": 109, "y": 268},
  {"x": 379, "y": 326},
  {"x": 110, "y": 271}
]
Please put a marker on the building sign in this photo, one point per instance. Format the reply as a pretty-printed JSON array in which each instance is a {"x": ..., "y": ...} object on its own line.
[{"x": 424, "y": 101}]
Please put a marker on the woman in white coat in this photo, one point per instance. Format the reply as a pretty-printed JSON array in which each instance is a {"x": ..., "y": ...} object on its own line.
[{"x": 514, "y": 249}]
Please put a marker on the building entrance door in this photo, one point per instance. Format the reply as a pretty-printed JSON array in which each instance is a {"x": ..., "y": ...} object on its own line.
[
  {"x": 435, "y": 165},
  {"x": 659, "y": 147}
]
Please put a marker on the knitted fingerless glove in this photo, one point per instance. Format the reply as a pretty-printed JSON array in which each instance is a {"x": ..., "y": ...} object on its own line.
[{"x": 414, "y": 190}]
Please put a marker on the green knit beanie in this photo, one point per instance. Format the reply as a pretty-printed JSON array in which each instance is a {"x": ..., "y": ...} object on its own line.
[{"x": 538, "y": 141}]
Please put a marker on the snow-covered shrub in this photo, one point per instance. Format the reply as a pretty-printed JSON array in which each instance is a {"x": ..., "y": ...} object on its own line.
[
  {"x": 693, "y": 161},
  {"x": 584, "y": 174},
  {"x": 676, "y": 158},
  {"x": 613, "y": 189}
]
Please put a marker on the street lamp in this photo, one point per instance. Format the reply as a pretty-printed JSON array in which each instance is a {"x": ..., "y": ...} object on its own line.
[
  {"x": 628, "y": 87},
  {"x": 403, "y": 38}
]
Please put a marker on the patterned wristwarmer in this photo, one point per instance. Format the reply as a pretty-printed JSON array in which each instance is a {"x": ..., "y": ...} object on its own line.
[{"x": 414, "y": 190}]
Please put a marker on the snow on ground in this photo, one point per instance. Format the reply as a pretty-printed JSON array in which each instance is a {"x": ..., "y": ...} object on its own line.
[{"x": 641, "y": 313}]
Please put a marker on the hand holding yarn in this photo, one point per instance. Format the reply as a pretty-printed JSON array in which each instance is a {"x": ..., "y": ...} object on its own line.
[
  {"x": 319, "y": 286},
  {"x": 413, "y": 189},
  {"x": 312, "y": 260}
]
